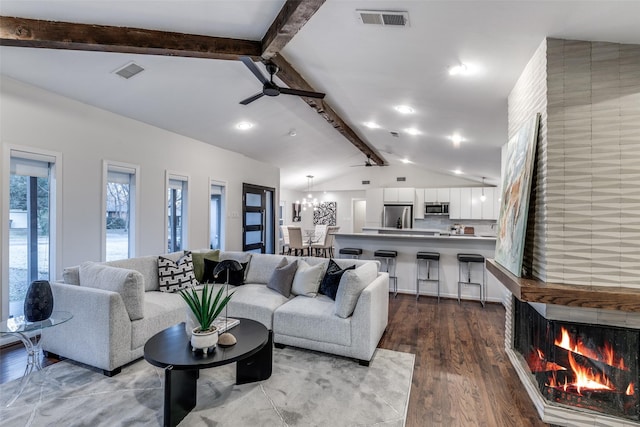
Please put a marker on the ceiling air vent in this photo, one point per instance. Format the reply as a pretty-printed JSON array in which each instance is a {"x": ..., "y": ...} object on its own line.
[
  {"x": 401, "y": 179},
  {"x": 395, "y": 134},
  {"x": 129, "y": 70},
  {"x": 384, "y": 17},
  {"x": 366, "y": 182}
]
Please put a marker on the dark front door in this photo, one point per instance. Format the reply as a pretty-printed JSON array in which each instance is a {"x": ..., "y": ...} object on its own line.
[{"x": 257, "y": 218}]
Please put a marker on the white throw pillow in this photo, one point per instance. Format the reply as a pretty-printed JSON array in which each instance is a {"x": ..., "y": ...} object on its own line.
[
  {"x": 351, "y": 286},
  {"x": 128, "y": 283},
  {"x": 307, "y": 279}
]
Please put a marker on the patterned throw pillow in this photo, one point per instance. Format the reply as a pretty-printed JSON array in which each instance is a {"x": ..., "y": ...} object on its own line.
[
  {"x": 331, "y": 280},
  {"x": 176, "y": 275}
]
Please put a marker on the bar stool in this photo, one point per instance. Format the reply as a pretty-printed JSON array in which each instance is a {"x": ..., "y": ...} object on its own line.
[
  {"x": 389, "y": 257},
  {"x": 469, "y": 260},
  {"x": 352, "y": 252},
  {"x": 428, "y": 257}
]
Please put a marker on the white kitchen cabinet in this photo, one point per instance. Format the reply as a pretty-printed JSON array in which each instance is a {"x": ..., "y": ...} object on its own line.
[
  {"x": 390, "y": 194},
  {"x": 454, "y": 203},
  {"x": 430, "y": 195},
  {"x": 465, "y": 203},
  {"x": 418, "y": 206},
  {"x": 399, "y": 195},
  {"x": 442, "y": 195},
  {"x": 406, "y": 195},
  {"x": 436, "y": 195},
  {"x": 476, "y": 203},
  {"x": 373, "y": 213},
  {"x": 488, "y": 206}
]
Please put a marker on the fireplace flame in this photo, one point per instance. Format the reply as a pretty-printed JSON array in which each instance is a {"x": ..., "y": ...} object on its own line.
[
  {"x": 604, "y": 355},
  {"x": 585, "y": 378},
  {"x": 629, "y": 391},
  {"x": 538, "y": 363}
]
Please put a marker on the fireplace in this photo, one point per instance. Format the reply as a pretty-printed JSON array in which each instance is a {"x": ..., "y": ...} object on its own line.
[{"x": 586, "y": 366}]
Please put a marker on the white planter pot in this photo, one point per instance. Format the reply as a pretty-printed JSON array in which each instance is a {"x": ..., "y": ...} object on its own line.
[{"x": 203, "y": 340}]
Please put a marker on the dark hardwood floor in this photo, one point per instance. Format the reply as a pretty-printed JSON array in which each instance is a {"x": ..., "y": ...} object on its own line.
[{"x": 462, "y": 376}]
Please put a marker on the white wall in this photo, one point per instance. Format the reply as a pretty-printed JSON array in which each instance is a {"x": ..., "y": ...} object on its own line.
[{"x": 86, "y": 135}]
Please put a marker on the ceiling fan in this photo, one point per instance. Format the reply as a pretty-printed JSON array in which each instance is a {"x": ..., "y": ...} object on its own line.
[
  {"x": 367, "y": 163},
  {"x": 269, "y": 88}
]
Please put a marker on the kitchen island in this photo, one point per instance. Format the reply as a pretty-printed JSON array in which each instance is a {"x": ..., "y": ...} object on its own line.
[{"x": 408, "y": 244}]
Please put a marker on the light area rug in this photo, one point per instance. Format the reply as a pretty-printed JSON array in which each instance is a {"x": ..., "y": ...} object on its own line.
[{"x": 306, "y": 388}]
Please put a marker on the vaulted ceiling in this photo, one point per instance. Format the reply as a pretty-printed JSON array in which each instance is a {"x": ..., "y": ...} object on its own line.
[{"x": 365, "y": 71}]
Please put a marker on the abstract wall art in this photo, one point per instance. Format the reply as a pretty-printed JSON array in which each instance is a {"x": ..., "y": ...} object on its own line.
[
  {"x": 325, "y": 213},
  {"x": 514, "y": 204}
]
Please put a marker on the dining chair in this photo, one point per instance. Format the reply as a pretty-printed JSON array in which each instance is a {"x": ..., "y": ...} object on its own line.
[
  {"x": 327, "y": 243},
  {"x": 286, "y": 249},
  {"x": 321, "y": 231},
  {"x": 295, "y": 240}
]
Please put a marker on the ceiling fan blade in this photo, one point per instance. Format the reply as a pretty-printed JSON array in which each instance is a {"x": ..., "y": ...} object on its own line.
[
  {"x": 289, "y": 91},
  {"x": 254, "y": 69},
  {"x": 252, "y": 98}
]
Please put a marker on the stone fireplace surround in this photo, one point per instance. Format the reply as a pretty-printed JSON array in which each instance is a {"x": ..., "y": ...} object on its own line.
[{"x": 617, "y": 307}]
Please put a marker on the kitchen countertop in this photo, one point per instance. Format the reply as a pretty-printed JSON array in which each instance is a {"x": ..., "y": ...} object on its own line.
[
  {"x": 419, "y": 231},
  {"x": 417, "y": 236},
  {"x": 406, "y": 230}
]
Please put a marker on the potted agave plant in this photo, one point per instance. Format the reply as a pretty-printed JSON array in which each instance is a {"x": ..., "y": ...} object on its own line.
[{"x": 205, "y": 308}]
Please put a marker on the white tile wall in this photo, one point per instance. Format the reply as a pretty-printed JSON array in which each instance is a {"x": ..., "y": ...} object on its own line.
[{"x": 585, "y": 220}]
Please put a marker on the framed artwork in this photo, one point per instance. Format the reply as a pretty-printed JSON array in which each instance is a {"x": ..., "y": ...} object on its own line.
[
  {"x": 514, "y": 204},
  {"x": 325, "y": 213},
  {"x": 295, "y": 215}
]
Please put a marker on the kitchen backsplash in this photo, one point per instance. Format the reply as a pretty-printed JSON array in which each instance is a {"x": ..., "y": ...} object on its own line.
[{"x": 485, "y": 227}]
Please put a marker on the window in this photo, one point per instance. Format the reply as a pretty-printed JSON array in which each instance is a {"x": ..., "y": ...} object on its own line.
[
  {"x": 120, "y": 210},
  {"x": 216, "y": 216},
  {"x": 177, "y": 200},
  {"x": 31, "y": 225}
]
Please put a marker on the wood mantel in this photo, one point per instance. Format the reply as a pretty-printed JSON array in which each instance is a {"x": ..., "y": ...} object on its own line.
[{"x": 531, "y": 290}]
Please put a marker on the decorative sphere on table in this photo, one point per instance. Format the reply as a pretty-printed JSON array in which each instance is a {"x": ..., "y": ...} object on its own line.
[{"x": 38, "y": 303}]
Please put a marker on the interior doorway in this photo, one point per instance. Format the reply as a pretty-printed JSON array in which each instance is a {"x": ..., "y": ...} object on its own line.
[
  {"x": 359, "y": 214},
  {"x": 258, "y": 219}
]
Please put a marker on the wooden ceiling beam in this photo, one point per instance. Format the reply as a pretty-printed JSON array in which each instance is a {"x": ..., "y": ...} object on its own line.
[
  {"x": 291, "y": 18},
  {"x": 292, "y": 78},
  {"x": 35, "y": 33}
]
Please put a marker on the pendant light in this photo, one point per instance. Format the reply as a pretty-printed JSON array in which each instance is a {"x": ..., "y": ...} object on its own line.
[
  {"x": 308, "y": 201},
  {"x": 483, "y": 197}
]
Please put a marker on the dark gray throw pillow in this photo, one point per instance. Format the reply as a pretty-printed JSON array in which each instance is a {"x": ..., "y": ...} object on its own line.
[
  {"x": 331, "y": 280},
  {"x": 282, "y": 277}
]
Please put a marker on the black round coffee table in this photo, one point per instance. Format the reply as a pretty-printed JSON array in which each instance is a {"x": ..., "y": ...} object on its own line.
[{"x": 171, "y": 349}]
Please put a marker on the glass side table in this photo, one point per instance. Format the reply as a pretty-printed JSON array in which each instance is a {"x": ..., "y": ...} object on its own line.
[{"x": 23, "y": 329}]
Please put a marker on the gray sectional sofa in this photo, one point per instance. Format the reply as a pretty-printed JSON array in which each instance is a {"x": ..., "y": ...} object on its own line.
[{"x": 118, "y": 307}]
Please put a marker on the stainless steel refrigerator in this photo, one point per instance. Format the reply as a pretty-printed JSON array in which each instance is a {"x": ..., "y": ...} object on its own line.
[{"x": 394, "y": 213}]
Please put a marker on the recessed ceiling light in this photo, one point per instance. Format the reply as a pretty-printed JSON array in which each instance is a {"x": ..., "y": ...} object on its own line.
[
  {"x": 457, "y": 172},
  {"x": 371, "y": 125},
  {"x": 412, "y": 131},
  {"x": 244, "y": 125},
  {"x": 456, "y": 138},
  {"x": 404, "y": 109},
  {"x": 405, "y": 161},
  {"x": 461, "y": 70}
]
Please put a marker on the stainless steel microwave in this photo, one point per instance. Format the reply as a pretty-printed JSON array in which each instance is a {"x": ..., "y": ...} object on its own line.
[{"x": 436, "y": 208}]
